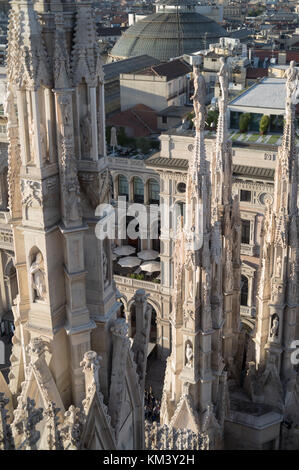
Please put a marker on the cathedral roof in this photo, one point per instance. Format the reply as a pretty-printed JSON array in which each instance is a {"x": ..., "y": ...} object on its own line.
[{"x": 168, "y": 34}]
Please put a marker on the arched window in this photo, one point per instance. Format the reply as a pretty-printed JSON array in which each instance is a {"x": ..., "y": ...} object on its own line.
[
  {"x": 123, "y": 187},
  {"x": 244, "y": 290},
  {"x": 153, "y": 191},
  {"x": 138, "y": 190}
]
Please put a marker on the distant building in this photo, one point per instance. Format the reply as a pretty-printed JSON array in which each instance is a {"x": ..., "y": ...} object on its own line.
[
  {"x": 158, "y": 86},
  {"x": 139, "y": 121},
  {"x": 175, "y": 29},
  {"x": 112, "y": 72}
]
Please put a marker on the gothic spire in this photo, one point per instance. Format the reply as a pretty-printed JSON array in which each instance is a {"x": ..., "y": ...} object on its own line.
[
  {"x": 28, "y": 64},
  {"x": 86, "y": 60}
]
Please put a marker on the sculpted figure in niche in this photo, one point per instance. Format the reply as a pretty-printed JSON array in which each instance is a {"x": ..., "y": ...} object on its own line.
[
  {"x": 274, "y": 326},
  {"x": 86, "y": 134},
  {"x": 44, "y": 143},
  {"x": 189, "y": 355},
  {"x": 38, "y": 277},
  {"x": 278, "y": 267},
  {"x": 31, "y": 141},
  {"x": 9, "y": 106},
  {"x": 73, "y": 202},
  {"x": 105, "y": 268}
]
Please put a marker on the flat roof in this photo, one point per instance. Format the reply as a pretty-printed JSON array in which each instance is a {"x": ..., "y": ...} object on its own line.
[{"x": 268, "y": 93}]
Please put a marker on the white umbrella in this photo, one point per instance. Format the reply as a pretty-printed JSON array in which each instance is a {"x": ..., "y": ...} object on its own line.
[
  {"x": 148, "y": 254},
  {"x": 124, "y": 250},
  {"x": 129, "y": 262},
  {"x": 151, "y": 266}
]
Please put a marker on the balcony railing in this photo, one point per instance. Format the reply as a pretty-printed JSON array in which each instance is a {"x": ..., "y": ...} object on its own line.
[
  {"x": 136, "y": 284},
  {"x": 247, "y": 249},
  {"x": 247, "y": 311}
]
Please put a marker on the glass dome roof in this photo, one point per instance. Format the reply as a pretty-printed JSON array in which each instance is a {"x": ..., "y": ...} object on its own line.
[{"x": 168, "y": 34}]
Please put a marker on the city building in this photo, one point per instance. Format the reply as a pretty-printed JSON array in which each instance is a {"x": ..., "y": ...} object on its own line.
[
  {"x": 154, "y": 295},
  {"x": 158, "y": 86},
  {"x": 175, "y": 29}
]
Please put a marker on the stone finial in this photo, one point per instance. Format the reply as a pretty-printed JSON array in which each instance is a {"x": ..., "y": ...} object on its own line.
[
  {"x": 91, "y": 361},
  {"x": 120, "y": 328},
  {"x": 91, "y": 366},
  {"x": 71, "y": 429},
  {"x": 140, "y": 296},
  {"x": 36, "y": 348}
]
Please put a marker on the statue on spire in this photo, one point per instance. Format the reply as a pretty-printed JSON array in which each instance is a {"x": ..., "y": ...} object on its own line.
[
  {"x": 291, "y": 74},
  {"x": 224, "y": 78},
  {"x": 199, "y": 99}
]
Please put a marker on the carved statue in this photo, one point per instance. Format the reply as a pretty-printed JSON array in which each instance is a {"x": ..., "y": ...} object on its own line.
[
  {"x": 73, "y": 202},
  {"x": 278, "y": 267},
  {"x": 199, "y": 98},
  {"x": 38, "y": 277},
  {"x": 9, "y": 106},
  {"x": 44, "y": 144},
  {"x": 85, "y": 126},
  {"x": 207, "y": 286},
  {"x": 223, "y": 78},
  {"x": 275, "y": 326},
  {"x": 189, "y": 355},
  {"x": 291, "y": 75},
  {"x": 105, "y": 267},
  {"x": 31, "y": 141}
]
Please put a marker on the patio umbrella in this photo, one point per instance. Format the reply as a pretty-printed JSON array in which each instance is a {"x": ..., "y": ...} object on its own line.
[
  {"x": 151, "y": 266},
  {"x": 129, "y": 262},
  {"x": 124, "y": 250},
  {"x": 148, "y": 254}
]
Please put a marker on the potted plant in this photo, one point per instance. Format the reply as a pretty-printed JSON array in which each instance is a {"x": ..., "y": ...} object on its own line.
[
  {"x": 264, "y": 124},
  {"x": 244, "y": 122}
]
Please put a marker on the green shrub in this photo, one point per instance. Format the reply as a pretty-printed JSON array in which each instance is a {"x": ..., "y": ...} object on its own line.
[
  {"x": 244, "y": 122},
  {"x": 264, "y": 124},
  {"x": 212, "y": 118}
]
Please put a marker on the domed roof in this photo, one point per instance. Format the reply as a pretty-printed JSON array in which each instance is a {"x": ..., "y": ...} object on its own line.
[{"x": 169, "y": 34}]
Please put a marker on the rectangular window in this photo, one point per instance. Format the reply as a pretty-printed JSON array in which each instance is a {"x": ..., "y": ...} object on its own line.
[
  {"x": 123, "y": 186},
  {"x": 164, "y": 119},
  {"x": 245, "y": 196},
  {"x": 138, "y": 190},
  {"x": 245, "y": 237}
]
